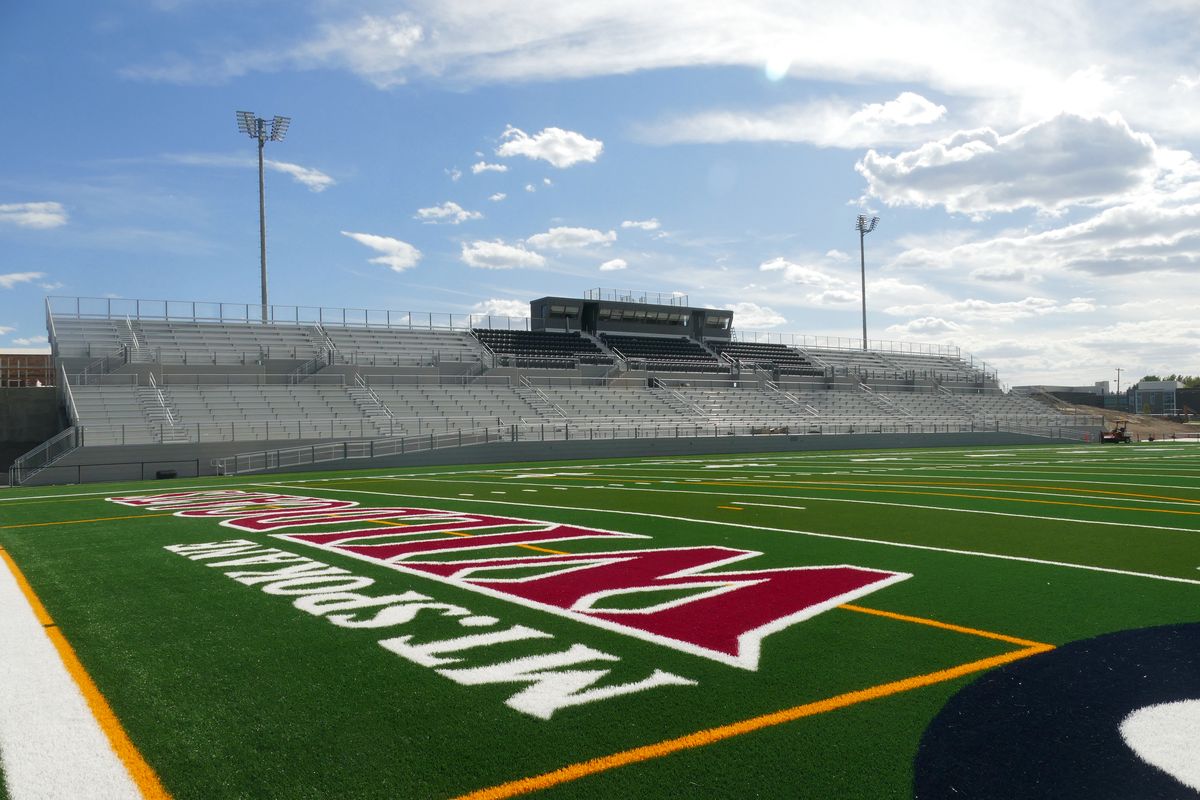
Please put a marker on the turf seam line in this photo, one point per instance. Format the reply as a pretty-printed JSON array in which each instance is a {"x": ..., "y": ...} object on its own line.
[
  {"x": 140, "y": 772},
  {"x": 838, "y": 536}
]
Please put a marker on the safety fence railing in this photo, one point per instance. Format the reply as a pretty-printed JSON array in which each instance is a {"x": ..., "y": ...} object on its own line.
[
  {"x": 42, "y": 456},
  {"x": 292, "y": 457},
  {"x": 251, "y": 313}
]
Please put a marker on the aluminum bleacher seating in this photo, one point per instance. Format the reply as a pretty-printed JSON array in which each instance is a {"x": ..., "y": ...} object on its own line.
[
  {"x": 544, "y": 349},
  {"x": 667, "y": 353}
]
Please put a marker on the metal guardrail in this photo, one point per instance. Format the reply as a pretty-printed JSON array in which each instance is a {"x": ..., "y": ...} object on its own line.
[
  {"x": 284, "y": 458},
  {"x": 251, "y": 313},
  {"x": 42, "y": 456}
]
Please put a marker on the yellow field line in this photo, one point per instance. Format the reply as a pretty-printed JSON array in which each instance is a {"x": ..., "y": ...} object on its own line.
[
  {"x": 709, "y": 736},
  {"x": 81, "y": 521},
  {"x": 933, "y": 623},
  {"x": 140, "y": 772},
  {"x": 819, "y": 488},
  {"x": 730, "y": 508}
]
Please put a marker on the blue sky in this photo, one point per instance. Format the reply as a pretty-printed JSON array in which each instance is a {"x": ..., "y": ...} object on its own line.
[{"x": 1032, "y": 166}]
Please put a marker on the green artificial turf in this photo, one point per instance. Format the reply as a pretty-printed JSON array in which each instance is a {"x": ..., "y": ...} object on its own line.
[{"x": 232, "y": 692}]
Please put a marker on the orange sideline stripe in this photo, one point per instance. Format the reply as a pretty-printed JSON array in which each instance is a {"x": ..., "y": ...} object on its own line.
[
  {"x": 81, "y": 521},
  {"x": 730, "y": 508},
  {"x": 712, "y": 735},
  {"x": 946, "y": 625},
  {"x": 142, "y": 774}
]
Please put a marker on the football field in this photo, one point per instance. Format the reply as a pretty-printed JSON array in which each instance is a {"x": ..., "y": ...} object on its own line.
[{"x": 998, "y": 622}]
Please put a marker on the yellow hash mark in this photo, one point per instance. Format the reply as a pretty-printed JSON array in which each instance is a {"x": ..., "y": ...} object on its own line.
[
  {"x": 81, "y": 521},
  {"x": 952, "y": 494},
  {"x": 142, "y": 774},
  {"x": 709, "y": 736},
  {"x": 731, "y": 508},
  {"x": 944, "y": 625},
  {"x": 981, "y": 485}
]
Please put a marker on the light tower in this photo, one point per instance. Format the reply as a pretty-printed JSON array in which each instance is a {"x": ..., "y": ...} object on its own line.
[
  {"x": 256, "y": 128},
  {"x": 864, "y": 226}
]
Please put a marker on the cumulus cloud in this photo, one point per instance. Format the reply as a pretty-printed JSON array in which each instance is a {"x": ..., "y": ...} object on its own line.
[
  {"x": 613, "y": 265},
  {"x": 448, "y": 212},
  {"x": 312, "y": 179},
  {"x": 499, "y": 255},
  {"x": 803, "y": 274},
  {"x": 497, "y": 197},
  {"x": 1053, "y": 164},
  {"x": 34, "y": 215},
  {"x": 6, "y": 329},
  {"x": 558, "y": 147},
  {"x": 1004, "y": 311},
  {"x": 454, "y": 172},
  {"x": 529, "y": 187},
  {"x": 500, "y": 307},
  {"x": 11, "y": 279},
  {"x": 924, "y": 326},
  {"x": 825, "y": 123},
  {"x": 395, "y": 254},
  {"x": 31, "y": 341},
  {"x": 752, "y": 315},
  {"x": 564, "y": 238},
  {"x": 651, "y": 224},
  {"x": 483, "y": 166}
]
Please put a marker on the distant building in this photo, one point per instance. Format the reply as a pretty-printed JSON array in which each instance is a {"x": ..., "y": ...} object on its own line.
[
  {"x": 26, "y": 369},
  {"x": 1160, "y": 398}
]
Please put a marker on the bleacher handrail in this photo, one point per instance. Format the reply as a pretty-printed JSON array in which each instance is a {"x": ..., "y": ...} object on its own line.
[{"x": 205, "y": 311}]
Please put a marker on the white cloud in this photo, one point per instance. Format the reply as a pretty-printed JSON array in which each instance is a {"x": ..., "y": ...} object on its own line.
[
  {"x": 613, "y": 264},
  {"x": 824, "y": 123},
  {"x": 396, "y": 255},
  {"x": 556, "y": 146},
  {"x": 497, "y": 197},
  {"x": 483, "y": 166},
  {"x": 448, "y": 212},
  {"x": 924, "y": 326},
  {"x": 6, "y": 329},
  {"x": 753, "y": 316},
  {"x": 529, "y": 187},
  {"x": 31, "y": 341},
  {"x": 1062, "y": 161},
  {"x": 499, "y": 255},
  {"x": 52, "y": 285},
  {"x": 836, "y": 255},
  {"x": 569, "y": 238},
  {"x": 11, "y": 279},
  {"x": 34, "y": 215},
  {"x": 651, "y": 224},
  {"x": 500, "y": 307},
  {"x": 312, "y": 179},
  {"x": 803, "y": 274},
  {"x": 1004, "y": 312},
  {"x": 547, "y": 182},
  {"x": 454, "y": 172}
]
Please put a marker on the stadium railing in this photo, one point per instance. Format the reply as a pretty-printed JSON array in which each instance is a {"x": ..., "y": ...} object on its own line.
[
  {"x": 213, "y": 311},
  {"x": 282, "y": 458},
  {"x": 43, "y": 456}
]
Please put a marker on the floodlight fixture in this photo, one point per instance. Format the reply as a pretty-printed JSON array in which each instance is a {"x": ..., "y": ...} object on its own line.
[
  {"x": 864, "y": 226},
  {"x": 256, "y": 128},
  {"x": 279, "y": 126}
]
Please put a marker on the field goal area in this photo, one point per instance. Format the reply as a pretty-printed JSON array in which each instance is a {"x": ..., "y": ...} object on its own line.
[{"x": 988, "y": 622}]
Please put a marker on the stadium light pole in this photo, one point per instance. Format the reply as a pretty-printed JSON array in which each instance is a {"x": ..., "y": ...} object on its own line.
[
  {"x": 864, "y": 226},
  {"x": 256, "y": 128}
]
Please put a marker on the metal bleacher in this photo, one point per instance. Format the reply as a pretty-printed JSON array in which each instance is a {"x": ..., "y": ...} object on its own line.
[{"x": 177, "y": 373}]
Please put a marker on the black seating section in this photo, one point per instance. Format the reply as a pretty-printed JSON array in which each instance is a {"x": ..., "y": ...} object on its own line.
[
  {"x": 667, "y": 353},
  {"x": 544, "y": 349},
  {"x": 768, "y": 356}
]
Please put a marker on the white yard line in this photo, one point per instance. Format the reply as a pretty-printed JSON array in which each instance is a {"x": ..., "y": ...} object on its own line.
[
  {"x": 859, "y": 539},
  {"x": 51, "y": 745}
]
